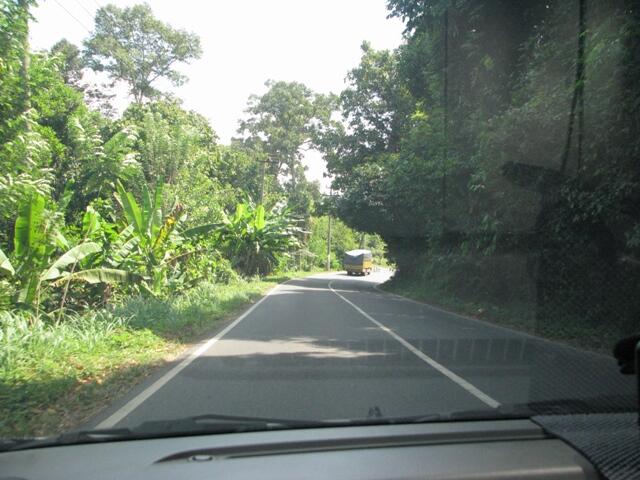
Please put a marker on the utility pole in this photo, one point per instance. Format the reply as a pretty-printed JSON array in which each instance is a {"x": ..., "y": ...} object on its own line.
[
  {"x": 445, "y": 126},
  {"x": 329, "y": 234},
  {"x": 24, "y": 75},
  {"x": 24, "y": 66},
  {"x": 329, "y": 246},
  {"x": 262, "y": 173}
]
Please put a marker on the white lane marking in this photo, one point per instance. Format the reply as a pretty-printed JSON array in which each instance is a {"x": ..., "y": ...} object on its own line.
[
  {"x": 135, "y": 402},
  {"x": 490, "y": 324},
  {"x": 472, "y": 389}
]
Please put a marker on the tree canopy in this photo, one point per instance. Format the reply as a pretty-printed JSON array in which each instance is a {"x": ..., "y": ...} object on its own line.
[
  {"x": 500, "y": 133},
  {"x": 280, "y": 126},
  {"x": 133, "y": 46}
]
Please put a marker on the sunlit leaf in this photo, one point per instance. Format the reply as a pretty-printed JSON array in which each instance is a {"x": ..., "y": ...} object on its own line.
[
  {"x": 74, "y": 255},
  {"x": 99, "y": 275},
  {"x": 5, "y": 264},
  {"x": 29, "y": 229},
  {"x": 90, "y": 222},
  {"x": 259, "y": 218},
  {"x": 131, "y": 208}
]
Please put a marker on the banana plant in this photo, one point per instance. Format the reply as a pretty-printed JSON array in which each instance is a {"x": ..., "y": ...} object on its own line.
[
  {"x": 255, "y": 240},
  {"x": 35, "y": 242},
  {"x": 150, "y": 231},
  {"x": 92, "y": 226}
]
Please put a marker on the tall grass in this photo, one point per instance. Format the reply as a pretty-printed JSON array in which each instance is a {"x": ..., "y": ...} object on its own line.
[
  {"x": 25, "y": 337},
  {"x": 188, "y": 314},
  {"x": 53, "y": 375}
]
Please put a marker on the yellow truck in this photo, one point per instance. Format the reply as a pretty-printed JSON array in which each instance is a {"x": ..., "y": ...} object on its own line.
[{"x": 358, "y": 262}]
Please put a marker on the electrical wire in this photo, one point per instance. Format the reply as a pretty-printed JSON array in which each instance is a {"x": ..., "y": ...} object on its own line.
[
  {"x": 72, "y": 16},
  {"x": 84, "y": 8}
]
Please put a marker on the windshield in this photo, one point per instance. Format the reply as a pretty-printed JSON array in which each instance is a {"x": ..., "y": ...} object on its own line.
[{"x": 226, "y": 216}]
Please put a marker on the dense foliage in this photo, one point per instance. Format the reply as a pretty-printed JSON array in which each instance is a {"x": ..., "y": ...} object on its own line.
[
  {"x": 496, "y": 152},
  {"x": 124, "y": 235},
  {"x": 96, "y": 208}
]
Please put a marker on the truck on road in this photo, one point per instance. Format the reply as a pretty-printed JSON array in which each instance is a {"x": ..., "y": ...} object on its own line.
[{"x": 358, "y": 262}]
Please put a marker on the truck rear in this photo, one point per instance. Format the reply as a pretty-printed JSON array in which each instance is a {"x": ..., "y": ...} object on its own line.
[{"x": 358, "y": 262}]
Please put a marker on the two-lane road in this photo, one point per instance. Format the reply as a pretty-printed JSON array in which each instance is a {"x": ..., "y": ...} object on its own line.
[{"x": 332, "y": 347}]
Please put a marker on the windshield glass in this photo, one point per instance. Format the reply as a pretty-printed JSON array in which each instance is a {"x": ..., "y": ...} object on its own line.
[{"x": 221, "y": 216}]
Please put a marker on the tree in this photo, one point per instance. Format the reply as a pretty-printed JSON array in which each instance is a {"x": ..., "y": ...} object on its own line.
[
  {"x": 256, "y": 240},
  {"x": 281, "y": 125},
  {"x": 342, "y": 239},
  {"x": 170, "y": 139},
  {"x": 25, "y": 146},
  {"x": 71, "y": 61},
  {"x": 361, "y": 150},
  {"x": 238, "y": 170},
  {"x": 457, "y": 149},
  {"x": 150, "y": 230},
  {"x": 70, "y": 65},
  {"x": 133, "y": 46}
]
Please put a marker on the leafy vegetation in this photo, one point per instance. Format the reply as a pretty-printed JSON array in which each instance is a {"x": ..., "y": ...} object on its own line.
[
  {"x": 254, "y": 240},
  {"x": 123, "y": 236},
  {"x": 495, "y": 152},
  {"x": 343, "y": 239},
  {"x": 148, "y": 203}
]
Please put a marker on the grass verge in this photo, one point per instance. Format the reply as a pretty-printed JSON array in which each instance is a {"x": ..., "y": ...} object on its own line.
[
  {"x": 517, "y": 316},
  {"x": 55, "y": 376}
]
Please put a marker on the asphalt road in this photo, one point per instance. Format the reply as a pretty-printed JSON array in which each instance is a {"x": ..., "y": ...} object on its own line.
[{"x": 334, "y": 347}]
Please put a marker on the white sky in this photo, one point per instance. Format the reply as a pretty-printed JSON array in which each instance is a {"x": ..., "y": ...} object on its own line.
[{"x": 244, "y": 43}]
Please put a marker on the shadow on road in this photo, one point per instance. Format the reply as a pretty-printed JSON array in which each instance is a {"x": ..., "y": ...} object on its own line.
[{"x": 305, "y": 353}]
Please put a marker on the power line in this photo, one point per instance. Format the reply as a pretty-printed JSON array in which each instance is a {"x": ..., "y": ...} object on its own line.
[
  {"x": 84, "y": 8},
  {"x": 73, "y": 16},
  {"x": 97, "y": 4}
]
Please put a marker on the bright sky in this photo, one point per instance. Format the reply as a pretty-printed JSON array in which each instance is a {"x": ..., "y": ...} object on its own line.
[{"x": 244, "y": 43}]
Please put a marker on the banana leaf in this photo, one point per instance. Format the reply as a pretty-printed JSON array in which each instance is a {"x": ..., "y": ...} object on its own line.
[
  {"x": 5, "y": 264},
  {"x": 259, "y": 221},
  {"x": 166, "y": 229},
  {"x": 74, "y": 255},
  {"x": 90, "y": 222},
  {"x": 201, "y": 229},
  {"x": 99, "y": 275},
  {"x": 27, "y": 293},
  {"x": 29, "y": 233},
  {"x": 131, "y": 209}
]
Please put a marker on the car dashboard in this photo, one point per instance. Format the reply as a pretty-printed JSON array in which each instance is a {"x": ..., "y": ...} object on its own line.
[{"x": 502, "y": 449}]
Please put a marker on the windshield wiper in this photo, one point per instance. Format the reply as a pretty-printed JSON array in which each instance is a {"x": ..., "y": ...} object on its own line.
[
  {"x": 562, "y": 406},
  {"x": 68, "y": 438},
  {"x": 205, "y": 424},
  {"x": 212, "y": 423},
  {"x": 201, "y": 424}
]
